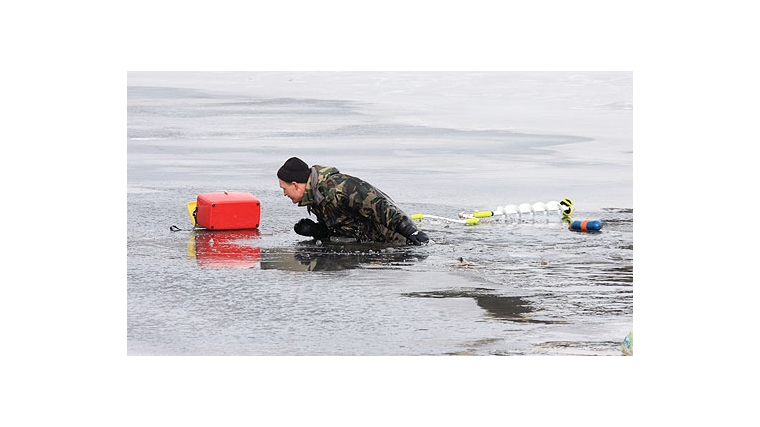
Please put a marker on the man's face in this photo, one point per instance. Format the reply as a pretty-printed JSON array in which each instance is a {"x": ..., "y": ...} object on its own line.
[{"x": 293, "y": 190}]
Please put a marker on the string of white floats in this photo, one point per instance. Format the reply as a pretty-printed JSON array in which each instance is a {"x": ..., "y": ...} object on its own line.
[{"x": 520, "y": 212}]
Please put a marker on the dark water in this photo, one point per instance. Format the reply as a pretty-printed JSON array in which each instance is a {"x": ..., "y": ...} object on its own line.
[{"x": 439, "y": 144}]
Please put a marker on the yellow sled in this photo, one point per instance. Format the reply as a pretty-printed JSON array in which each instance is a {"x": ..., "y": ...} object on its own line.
[{"x": 191, "y": 211}]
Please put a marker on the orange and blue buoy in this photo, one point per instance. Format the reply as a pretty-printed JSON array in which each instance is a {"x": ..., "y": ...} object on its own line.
[{"x": 586, "y": 225}]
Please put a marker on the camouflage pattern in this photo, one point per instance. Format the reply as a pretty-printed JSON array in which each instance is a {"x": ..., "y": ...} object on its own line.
[{"x": 351, "y": 207}]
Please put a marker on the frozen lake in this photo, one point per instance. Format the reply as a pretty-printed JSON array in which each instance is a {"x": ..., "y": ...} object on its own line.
[{"x": 438, "y": 143}]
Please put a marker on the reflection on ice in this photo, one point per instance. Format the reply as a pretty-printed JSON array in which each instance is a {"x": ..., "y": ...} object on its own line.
[
  {"x": 224, "y": 248},
  {"x": 334, "y": 257},
  {"x": 241, "y": 249}
]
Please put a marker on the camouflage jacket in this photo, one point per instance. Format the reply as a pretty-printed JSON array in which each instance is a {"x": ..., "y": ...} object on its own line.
[{"x": 351, "y": 207}]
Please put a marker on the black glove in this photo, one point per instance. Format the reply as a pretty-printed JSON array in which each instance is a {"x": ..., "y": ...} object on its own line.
[
  {"x": 417, "y": 238},
  {"x": 307, "y": 227},
  {"x": 413, "y": 236}
]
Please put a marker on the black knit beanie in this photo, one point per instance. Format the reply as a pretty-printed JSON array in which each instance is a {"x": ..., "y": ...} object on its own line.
[{"x": 294, "y": 169}]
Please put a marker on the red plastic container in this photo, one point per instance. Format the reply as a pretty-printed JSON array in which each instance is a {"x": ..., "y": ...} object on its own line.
[{"x": 228, "y": 211}]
